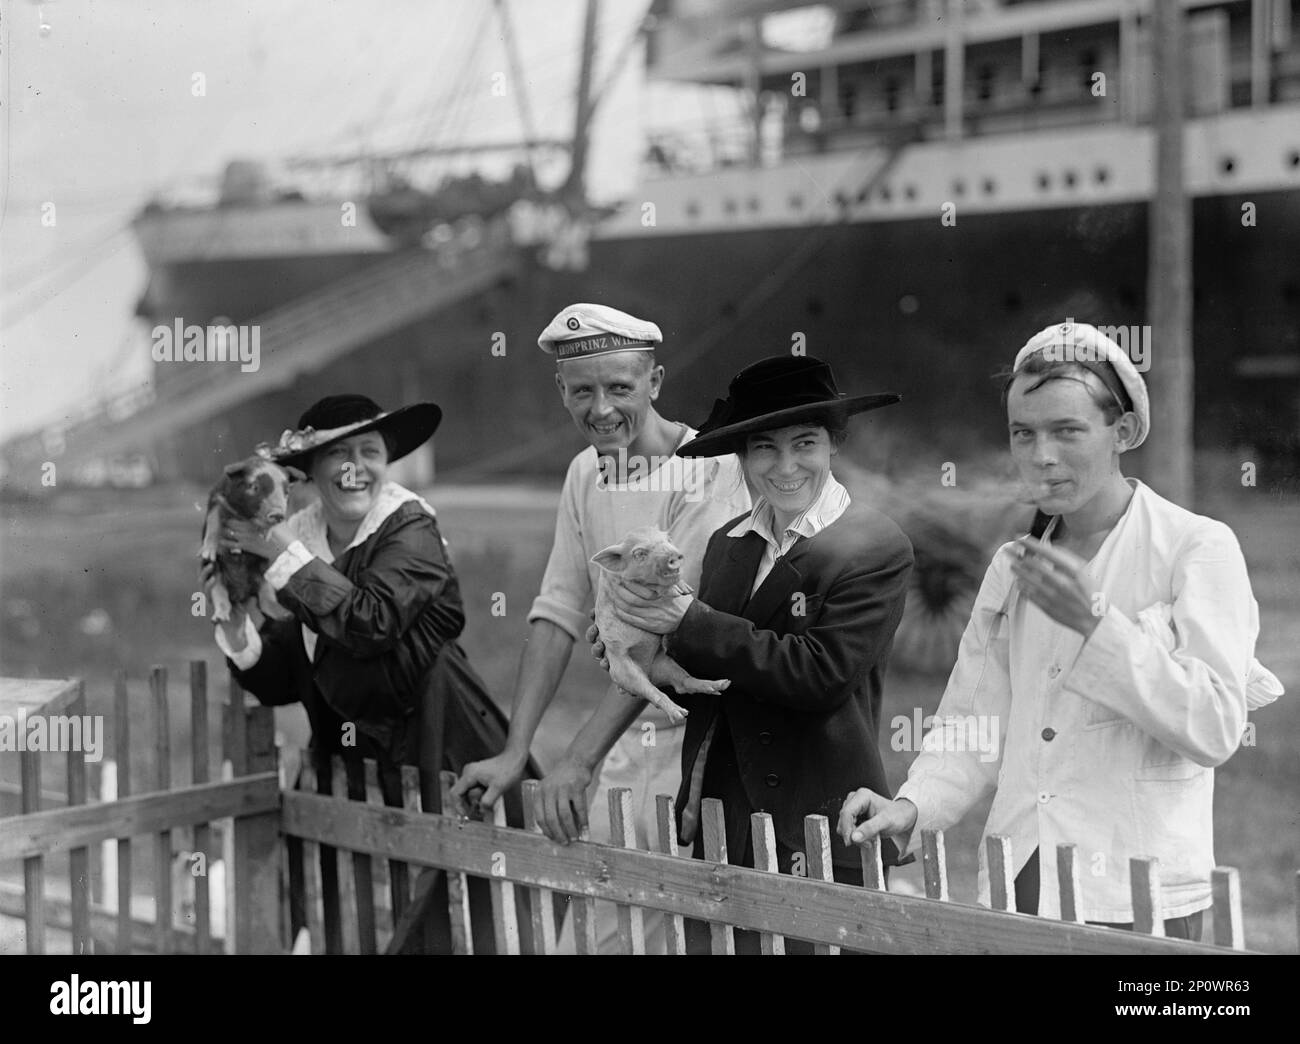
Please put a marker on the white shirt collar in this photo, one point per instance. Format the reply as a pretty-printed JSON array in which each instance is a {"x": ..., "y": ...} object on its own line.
[
  {"x": 830, "y": 503},
  {"x": 308, "y": 525}
]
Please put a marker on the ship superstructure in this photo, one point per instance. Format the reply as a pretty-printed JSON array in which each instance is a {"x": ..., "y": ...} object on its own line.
[{"x": 907, "y": 189}]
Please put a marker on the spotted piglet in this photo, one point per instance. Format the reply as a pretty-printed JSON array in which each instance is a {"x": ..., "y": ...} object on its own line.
[
  {"x": 255, "y": 489},
  {"x": 647, "y": 556}
]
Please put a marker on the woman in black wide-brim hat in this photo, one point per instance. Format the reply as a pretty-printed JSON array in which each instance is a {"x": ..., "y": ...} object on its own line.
[
  {"x": 370, "y": 650},
  {"x": 797, "y": 607}
]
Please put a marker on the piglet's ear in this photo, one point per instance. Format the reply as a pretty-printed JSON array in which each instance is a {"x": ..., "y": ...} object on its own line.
[
  {"x": 295, "y": 474},
  {"x": 611, "y": 559},
  {"x": 235, "y": 468}
]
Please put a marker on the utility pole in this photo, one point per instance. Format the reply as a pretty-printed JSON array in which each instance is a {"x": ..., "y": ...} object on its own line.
[{"x": 1169, "y": 275}]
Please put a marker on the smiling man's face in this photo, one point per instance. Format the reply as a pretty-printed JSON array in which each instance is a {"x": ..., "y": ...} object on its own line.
[
  {"x": 609, "y": 396},
  {"x": 349, "y": 475}
]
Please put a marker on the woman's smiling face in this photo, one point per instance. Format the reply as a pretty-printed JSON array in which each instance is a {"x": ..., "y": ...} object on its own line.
[
  {"x": 789, "y": 466},
  {"x": 349, "y": 475}
]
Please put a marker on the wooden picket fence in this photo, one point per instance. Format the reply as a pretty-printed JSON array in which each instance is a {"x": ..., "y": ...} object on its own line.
[
  {"x": 375, "y": 852},
  {"x": 815, "y": 909},
  {"x": 249, "y": 800}
]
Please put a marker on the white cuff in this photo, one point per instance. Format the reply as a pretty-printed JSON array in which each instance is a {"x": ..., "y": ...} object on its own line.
[
  {"x": 250, "y": 653},
  {"x": 903, "y": 842},
  {"x": 286, "y": 563}
]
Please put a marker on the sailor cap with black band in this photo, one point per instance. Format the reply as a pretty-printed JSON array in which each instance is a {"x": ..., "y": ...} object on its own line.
[
  {"x": 1089, "y": 347},
  {"x": 583, "y": 330}
]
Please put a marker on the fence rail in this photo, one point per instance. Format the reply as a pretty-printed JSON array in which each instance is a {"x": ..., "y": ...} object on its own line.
[
  {"x": 360, "y": 858},
  {"x": 833, "y": 916}
]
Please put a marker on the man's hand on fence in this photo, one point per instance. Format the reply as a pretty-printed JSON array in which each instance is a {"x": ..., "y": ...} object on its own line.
[
  {"x": 562, "y": 801},
  {"x": 483, "y": 782},
  {"x": 880, "y": 817}
]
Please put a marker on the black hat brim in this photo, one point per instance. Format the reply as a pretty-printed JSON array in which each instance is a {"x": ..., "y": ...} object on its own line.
[
  {"x": 408, "y": 427},
  {"x": 726, "y": 439}
]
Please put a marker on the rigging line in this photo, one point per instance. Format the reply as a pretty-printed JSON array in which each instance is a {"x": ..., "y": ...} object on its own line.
[
  {"x": 321, "y": 97},
  {"x": 43, "y": 296},
  {"x": 68, "y": 254},
  {"x": 618, "y": 65},
  {"x": 67, "y": 260},
  {"x": 437, "y": 121},
  {"x": 521, "y": 90},
  {"x": 378, "y": 115}
]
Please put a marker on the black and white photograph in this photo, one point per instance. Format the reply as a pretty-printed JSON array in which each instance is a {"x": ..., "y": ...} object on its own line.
[{"x": 650, "y": 477}]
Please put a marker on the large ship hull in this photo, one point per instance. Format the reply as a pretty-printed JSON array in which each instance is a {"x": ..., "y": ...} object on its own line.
[{"x": 925, "y": 309}]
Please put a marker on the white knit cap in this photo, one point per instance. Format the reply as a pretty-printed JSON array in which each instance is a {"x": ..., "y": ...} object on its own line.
[
  {"x": 591, "y": 329},
  {"x": 1080, "y": 342}
]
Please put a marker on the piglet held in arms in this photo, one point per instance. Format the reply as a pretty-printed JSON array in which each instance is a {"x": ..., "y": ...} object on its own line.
[{"x": 647, "y": 556}]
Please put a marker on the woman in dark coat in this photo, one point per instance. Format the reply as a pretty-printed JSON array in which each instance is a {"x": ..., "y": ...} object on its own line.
[
  {"x": 370, "y": 650},
  {"x": 797, "y": 607}
]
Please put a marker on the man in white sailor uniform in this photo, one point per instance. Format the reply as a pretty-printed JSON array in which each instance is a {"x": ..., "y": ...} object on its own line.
[{"x": 609, "y": 380}]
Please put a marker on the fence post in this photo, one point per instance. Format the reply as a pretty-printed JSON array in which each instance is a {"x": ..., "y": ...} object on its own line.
[
  {"x": 622, "y": 834},
  {"x": 1226, "y": 885},
  {"x": 1002, "y": 885},
  {"x": 934, "y": 862},
  {"x": 666, "y": 816},
  {"x": 79, "y": 858},
  {"x": 505, "y": 921},
  {"x": 313, "y": 897},
  {"x": 381, "y": 871},
  {"x": 199, "y": 774},
  {"x": 760, "y": 828},
  {"x": 462, "y": 925},
  {"x": 33, "y": 866},
  {"x": 162, "y": 884},
  {"x": 122, "y": 738},
  {"x": 817, "y": 840},
  {"x": 1148, "y": 908},
  {"x": 399, "y": 872},
  {"x": 257, "y": 842},
  {"x": 721, "y": 938},
  {"x": 349, "y": 940},
  {"x": 873, "y": 870},
  {"x": 1067, "y": 880},
  {"x": 540, "y": 903},
  {"x": 362, "y": 867}
]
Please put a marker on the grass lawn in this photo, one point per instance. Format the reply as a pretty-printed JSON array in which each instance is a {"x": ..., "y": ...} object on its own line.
[{"x": 93, "y": 581}]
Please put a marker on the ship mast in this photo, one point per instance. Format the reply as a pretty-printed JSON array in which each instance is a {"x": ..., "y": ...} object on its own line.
[{"x": 574, "y": 191}]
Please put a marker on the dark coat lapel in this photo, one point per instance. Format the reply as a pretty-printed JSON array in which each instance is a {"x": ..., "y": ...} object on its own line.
[
  {"x": 728, "y": 588},
  {"x": 774, "y": 592}
]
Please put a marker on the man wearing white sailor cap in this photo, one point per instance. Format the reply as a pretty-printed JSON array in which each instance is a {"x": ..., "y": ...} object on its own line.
[
  {"x": 609, "y": 380},
  {"x": 1112, "y": 649}
]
